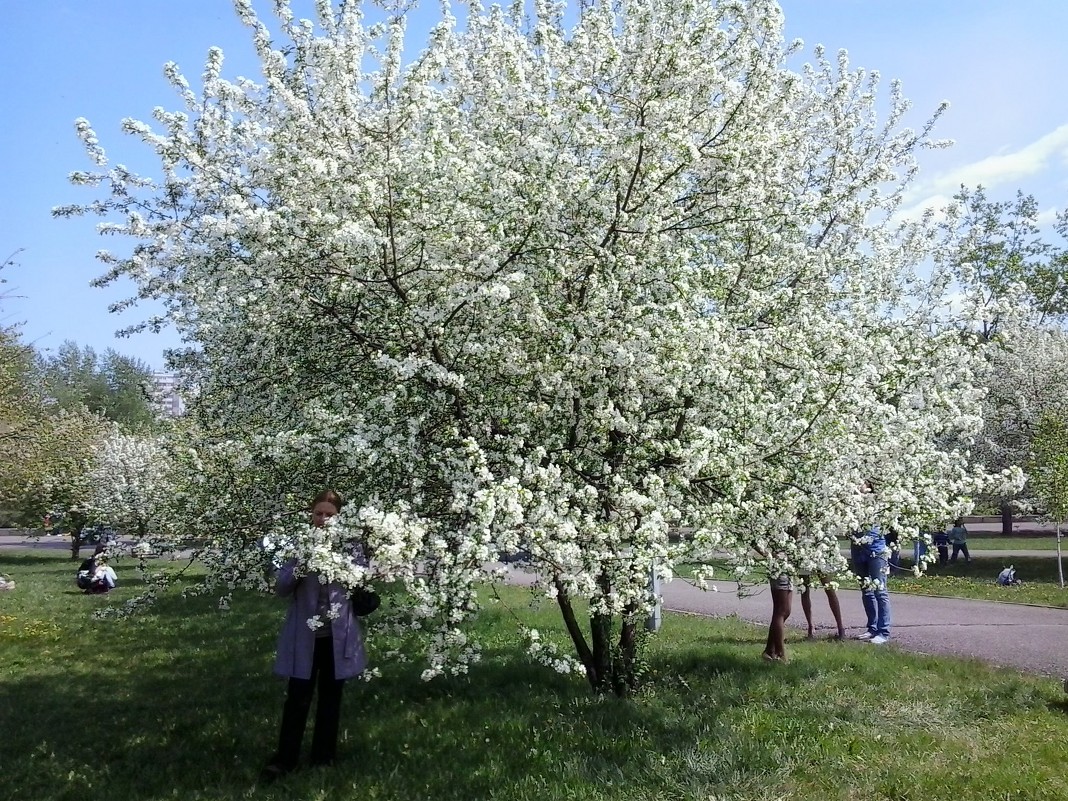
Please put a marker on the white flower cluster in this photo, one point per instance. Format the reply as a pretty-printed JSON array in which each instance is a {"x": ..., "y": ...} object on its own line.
[{"x": 549, "y": 654}]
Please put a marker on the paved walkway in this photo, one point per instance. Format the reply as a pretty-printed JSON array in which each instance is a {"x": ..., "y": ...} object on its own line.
[{"x": 1029, "y": 638}]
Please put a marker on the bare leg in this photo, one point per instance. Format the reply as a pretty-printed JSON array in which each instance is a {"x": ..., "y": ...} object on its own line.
[
  {"x": 806, "y": 604},
  {"x": 836, "y": 610},
  {"x": 781, "y": 601}
]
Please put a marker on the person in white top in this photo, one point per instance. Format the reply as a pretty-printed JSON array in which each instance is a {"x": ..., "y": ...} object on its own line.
[{"x": 103, "y": 578}]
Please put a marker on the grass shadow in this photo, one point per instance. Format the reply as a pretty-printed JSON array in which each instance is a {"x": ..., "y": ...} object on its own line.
[{"x": 180, "y": 702}]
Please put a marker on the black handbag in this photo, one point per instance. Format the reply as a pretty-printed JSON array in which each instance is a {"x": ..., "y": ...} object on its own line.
[{"x": 364, "y": 601}]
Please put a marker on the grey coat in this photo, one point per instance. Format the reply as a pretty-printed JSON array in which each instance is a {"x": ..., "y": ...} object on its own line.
[{"x": 296, "y": 643}]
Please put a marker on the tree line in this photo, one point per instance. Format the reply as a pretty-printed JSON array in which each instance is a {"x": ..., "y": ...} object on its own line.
[{"x": 55, "y": 409}]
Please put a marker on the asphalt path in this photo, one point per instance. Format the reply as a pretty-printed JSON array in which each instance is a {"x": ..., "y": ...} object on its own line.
[
  {"x": 1033, "y": 639},
  {"x": 1030, "y": 638}
]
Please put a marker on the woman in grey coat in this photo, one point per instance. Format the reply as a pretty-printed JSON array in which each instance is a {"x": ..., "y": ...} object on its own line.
[{"x": 327, "y": 655}]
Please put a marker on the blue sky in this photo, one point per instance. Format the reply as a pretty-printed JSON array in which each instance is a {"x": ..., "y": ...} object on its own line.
[{"x": 1000, "y": 64}]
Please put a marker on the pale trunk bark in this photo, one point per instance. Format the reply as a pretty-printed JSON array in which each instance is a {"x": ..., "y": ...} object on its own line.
[{"x": 1060, "y": 562}]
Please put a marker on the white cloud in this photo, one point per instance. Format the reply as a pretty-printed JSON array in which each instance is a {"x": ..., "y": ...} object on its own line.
[
  {"x": 1047, "y": 217},
  {"x": 1048, "y": 153}
]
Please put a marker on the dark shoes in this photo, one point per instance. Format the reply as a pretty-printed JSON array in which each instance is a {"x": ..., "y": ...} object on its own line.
[{"x": 275, "y": 770}]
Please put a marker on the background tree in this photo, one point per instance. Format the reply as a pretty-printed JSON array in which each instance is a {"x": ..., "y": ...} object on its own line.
[
  {"x": 20, "y": 409},
  {"x": 1049, "y": 472},
  {"x": 48, "y": 472},
  {"x": 1001, "y": 260},
  {"x": 45, "y": 447},
  {"x": 112, "y": 385},
  {"x": 1015, "y": 283},
  {"x": 546, "y": 290},
  {"x": 128, "y": 481},
  {"x": 1027, "y": 374}
]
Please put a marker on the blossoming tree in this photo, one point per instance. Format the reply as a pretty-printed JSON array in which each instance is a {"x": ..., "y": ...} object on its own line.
[
  {"x": 129, "y": 481},
  {"x": 1049, "y": 473},
  {"x": 1015, "y": 283},
  {"x": 545, "y": 289}
]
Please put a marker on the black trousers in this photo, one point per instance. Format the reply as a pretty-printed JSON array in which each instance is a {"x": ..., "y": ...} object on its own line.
[{"x": 327, "y": 710}]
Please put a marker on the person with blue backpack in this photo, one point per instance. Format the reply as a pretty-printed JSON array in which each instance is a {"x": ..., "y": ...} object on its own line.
[{"x": 869, "y": 553}]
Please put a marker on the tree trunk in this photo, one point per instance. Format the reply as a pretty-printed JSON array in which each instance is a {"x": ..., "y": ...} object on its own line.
[
  {"x": 77, "y": 526},
  {"x": 625, "y": 675},
  {"x": 601, "y": 639},
  {"x": 609, "y": 668},
  {"x": 578, "y": 639},
  {"x": 1060, "y": 562},
  {"x": 1006, "y": 519}
]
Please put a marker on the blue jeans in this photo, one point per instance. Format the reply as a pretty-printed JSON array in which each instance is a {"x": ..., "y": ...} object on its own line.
[{"x": 874, "y": 571}]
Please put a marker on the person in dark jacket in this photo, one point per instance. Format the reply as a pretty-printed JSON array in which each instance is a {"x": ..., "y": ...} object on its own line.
[
  {"x": 941, "y": 542},
  {"x": 87, "y": 570},
  {"x": 319, "y": 659}
]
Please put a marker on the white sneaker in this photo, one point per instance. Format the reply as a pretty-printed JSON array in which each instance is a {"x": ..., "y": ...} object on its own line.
[
  {"x": 879, "y": 639},
  {"x": 867, "y": 635}
]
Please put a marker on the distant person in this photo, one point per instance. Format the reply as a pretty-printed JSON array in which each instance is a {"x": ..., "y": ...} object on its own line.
[
  {"x": 868, "y": 553},
  {"x": 958, "y": 537},
  {"x": 87, "y": 569},
  {"x": 104, "y": 578},
  {"x": 941, "y": 542},
  {"x": 1007, "y": 577},
  {"x": 96, "y": 576},
  {"x": 895, "y": 552},
  {"x": 832, "y": 602}
]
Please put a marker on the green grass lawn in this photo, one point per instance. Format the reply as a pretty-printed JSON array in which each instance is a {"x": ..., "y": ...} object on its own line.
[
  {"x": 1017, "y": 542},
  {"x": 1040, "y": 580},
  {"x": 180, "y": 703}
]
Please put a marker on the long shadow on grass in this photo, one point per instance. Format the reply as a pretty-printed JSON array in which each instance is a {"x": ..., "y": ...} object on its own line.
[
  {"x": 12, "y": 558},
  {"x": 143, "y": 705},
  {"x": 181, "y": 703}
]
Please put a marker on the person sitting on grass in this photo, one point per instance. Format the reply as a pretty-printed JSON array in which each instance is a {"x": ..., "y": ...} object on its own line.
[
  {"x": 87, "y": 569},
  {"x": 103, "y": 578},
  {"x": 1007, "y": 577}
]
